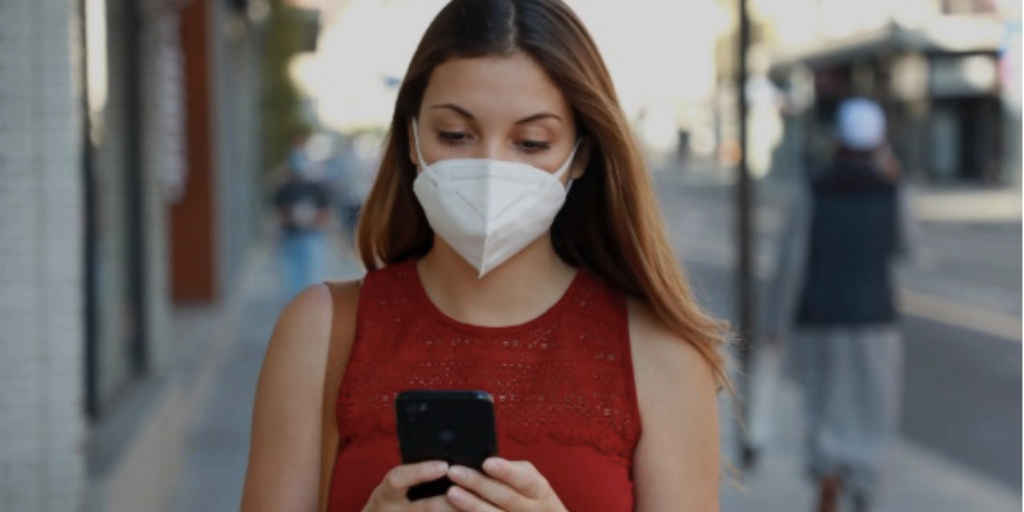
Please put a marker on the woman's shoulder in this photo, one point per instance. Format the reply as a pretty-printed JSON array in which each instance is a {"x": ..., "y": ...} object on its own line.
[
  {"x": 304, "y": 324},
  {"x": 660, "y": 352},
  {"x": 296, "y": 357}
]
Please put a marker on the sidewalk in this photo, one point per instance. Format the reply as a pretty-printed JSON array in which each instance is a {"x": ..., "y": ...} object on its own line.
[{"x": 219, "y": 443}]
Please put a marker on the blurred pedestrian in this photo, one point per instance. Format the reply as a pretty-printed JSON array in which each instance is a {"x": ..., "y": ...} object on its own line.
[
  {"x": 302, "y": 202},
  {"x": 338, "y": 169},
  {"x": 834, "y": 286},
  {"x": 514, "y": 246},
  {"x": 351, "y": 177}
]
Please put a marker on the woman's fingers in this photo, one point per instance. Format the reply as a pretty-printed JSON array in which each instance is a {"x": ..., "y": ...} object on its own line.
[
  {"x": 401, "y": 478},
  {"x": 466, "y": 501},
  {"x": 483, "y": 488},
  {"x": 504, "y": 487},
  {"x": 520, "y": 476}
]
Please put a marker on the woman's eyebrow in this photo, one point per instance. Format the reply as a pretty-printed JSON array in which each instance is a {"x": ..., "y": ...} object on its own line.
[
  {"x": 457, "y": 109},
  {"x": 465, "y": 113},
  {"x": 537, "y": 117}
]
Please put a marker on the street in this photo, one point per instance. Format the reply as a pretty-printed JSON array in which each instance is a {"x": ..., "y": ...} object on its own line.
[
  {"x": 962, "y": 377},
  {"x": 963, "y": 397}
]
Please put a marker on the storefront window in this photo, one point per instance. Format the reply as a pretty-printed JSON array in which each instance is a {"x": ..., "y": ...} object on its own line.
[{"x": 113, "y": 296}]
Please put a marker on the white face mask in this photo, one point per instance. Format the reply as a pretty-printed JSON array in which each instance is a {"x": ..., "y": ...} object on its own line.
[{"x": 488, "y": 210}]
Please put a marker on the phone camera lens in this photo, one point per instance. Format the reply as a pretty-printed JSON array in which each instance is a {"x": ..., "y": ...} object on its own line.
[
  {"x": 446, "y": 436},
  {"x": 416, "y": 408}
]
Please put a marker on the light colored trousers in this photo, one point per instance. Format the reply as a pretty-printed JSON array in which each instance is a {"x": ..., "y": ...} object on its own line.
[{"x": 851, "y": 382}]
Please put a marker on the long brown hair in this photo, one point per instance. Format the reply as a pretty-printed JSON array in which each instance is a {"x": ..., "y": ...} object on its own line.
[{"x": 610, "y": 223}]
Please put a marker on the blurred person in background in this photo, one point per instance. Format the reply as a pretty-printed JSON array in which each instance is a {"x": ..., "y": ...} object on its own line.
[
  {"x": 514, "y": 246},
  {"x": 351, "y": 176},
  {"x": 302, "y": 202},
  {"x": 834, "y": 287},
  {"x": 338, "y": 167}
]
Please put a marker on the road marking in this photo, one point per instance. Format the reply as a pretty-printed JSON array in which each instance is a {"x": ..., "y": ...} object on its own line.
[
  {"x": 961, "y": 315},
  {"x": 930, "y": 307}
]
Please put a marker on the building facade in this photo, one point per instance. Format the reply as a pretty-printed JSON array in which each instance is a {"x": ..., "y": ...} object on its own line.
[
  {"x": 941, "y": 77},
  {"x": 128, "y": 167}
]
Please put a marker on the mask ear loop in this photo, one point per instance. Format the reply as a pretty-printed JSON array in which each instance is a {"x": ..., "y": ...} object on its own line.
[
  {"x": 567, "y": 165},
  {"x": 416, "y": 137}
]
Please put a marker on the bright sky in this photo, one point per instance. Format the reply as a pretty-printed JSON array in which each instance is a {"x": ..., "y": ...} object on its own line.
[{"x": 659, "y": 53}]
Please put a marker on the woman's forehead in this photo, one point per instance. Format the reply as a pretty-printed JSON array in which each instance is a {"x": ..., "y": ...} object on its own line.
[{"x": 495, "y": 86}]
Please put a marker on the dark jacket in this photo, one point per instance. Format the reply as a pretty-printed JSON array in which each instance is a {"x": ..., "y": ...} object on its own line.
[
  {"x": 299, "y": 203},
  {"x": 853, "y": 240}
]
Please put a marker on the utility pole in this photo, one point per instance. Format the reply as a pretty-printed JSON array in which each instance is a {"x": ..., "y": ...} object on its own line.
[{"x": 744, "y": 282}]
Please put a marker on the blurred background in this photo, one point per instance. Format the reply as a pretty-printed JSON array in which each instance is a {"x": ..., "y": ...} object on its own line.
[{"x": 148, "y": 242}]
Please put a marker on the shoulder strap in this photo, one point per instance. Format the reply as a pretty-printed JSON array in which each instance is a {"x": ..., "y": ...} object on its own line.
[{"x": 345, "y": 297}]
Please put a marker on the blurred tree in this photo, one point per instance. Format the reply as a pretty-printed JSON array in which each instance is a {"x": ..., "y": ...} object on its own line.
[{"x": 282, "y": 115}]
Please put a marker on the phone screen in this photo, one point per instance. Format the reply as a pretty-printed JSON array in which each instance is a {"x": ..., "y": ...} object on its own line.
[{"x": 454, "y": 426}]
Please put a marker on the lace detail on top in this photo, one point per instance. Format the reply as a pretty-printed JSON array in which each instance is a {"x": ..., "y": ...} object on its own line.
[{"x": 566, "y": 375}]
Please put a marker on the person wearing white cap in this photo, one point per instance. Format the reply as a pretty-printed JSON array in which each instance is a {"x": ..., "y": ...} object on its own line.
[
  {"x": 860, "y": 124},
  {"x": 833, "y": 289}
]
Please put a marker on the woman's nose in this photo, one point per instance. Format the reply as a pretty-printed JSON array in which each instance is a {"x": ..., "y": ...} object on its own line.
[{"x": 495, "y": 149}]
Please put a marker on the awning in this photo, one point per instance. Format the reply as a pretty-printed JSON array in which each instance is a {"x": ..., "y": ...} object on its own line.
[{"x": 946, "y": 34}]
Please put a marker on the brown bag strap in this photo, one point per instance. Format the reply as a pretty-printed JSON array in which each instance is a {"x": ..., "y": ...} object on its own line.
[{"x": 345, "y": 298}]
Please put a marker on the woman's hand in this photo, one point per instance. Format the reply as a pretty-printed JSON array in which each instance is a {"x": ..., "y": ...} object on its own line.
[
  {"x": 504, "y": 486},
  {"x": 389, "y": 496}
]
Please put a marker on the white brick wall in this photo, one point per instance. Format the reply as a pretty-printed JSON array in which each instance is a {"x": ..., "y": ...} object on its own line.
[
  {"x": 42, "y": 272},
  {"x": 41, "y": 269}
]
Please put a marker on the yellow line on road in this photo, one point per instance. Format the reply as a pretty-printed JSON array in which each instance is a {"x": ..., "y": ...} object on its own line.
[{"x": 958, "y": 314}]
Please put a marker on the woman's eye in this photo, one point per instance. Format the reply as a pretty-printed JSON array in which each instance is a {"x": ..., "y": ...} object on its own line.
[
  {"x": 533, "y": 146},
  {"x": 452, "y": 138}
]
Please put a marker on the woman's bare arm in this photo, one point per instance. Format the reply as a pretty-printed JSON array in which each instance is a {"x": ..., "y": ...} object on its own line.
[
  {"x": 676, "y": 464},
  {"x": 284, "y": 452}
]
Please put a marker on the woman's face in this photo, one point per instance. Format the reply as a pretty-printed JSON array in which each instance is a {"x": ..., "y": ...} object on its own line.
[{"x": 501, "y": 108}]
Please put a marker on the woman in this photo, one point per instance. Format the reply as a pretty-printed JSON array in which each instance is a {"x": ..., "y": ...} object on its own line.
[{"x": 513, "y": 245}]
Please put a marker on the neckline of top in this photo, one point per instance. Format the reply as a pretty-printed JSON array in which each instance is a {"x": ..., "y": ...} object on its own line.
[{"x": 436, "y": 312}]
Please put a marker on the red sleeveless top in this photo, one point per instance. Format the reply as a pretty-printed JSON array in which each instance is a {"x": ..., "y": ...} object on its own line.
[{"x": 562, "y": 383}]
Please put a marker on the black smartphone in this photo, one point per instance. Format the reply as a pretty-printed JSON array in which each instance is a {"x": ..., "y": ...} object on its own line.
[{"x": 454, "y": 426}]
